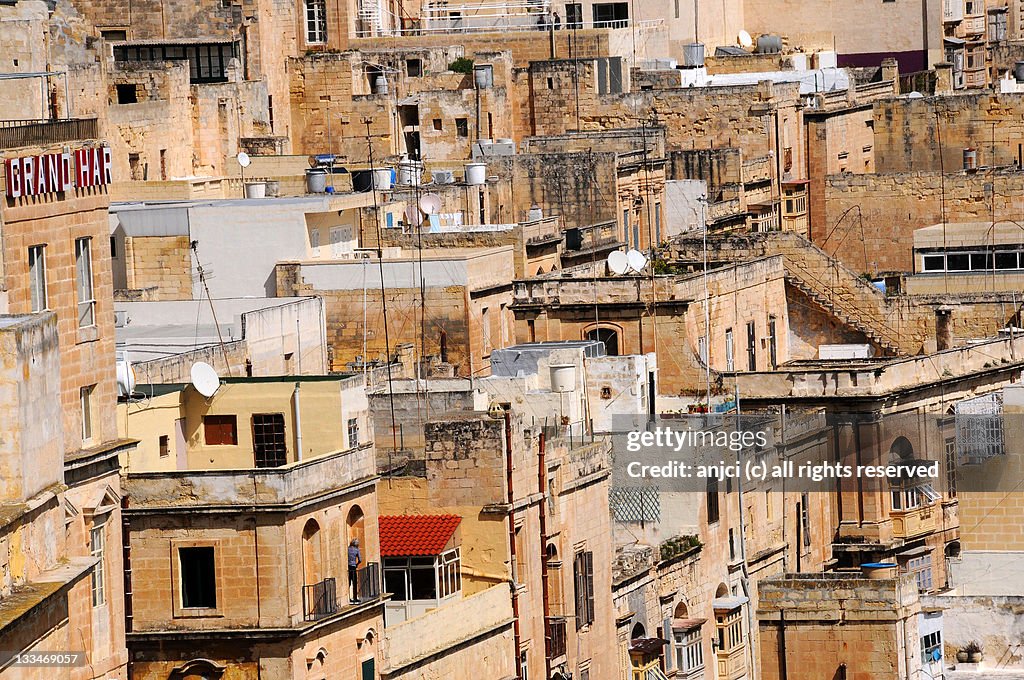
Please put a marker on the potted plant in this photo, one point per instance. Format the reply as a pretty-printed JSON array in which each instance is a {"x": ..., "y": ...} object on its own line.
[
  {"x": 974, "y": 652},
  {"x": 962, "y": 656}
]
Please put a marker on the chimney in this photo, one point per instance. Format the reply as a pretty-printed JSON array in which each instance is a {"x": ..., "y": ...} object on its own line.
[{"x": 891, "y": 71}]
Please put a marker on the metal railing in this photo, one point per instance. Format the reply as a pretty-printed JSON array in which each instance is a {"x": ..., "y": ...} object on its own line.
[
  {"x": 554, "y": 631},
  {"x": 319, "y": 600},
  {"x": 517, "y": 24},
  {"x": 368, "y": 579},
  {"x": 19, "y": 133}
]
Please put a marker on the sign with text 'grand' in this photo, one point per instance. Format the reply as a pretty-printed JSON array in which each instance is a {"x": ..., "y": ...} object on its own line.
[{"x": 52, "y": 173}]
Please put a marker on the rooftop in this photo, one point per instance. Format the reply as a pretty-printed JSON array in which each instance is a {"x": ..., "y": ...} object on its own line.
[{"x": 416, "y": 535}]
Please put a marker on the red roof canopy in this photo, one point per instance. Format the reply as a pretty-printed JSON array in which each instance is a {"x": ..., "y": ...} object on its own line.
[{"x": 416, "y": 535}]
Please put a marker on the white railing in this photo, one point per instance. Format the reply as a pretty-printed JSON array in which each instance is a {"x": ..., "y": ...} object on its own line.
[{"x": 512, "y": 23}]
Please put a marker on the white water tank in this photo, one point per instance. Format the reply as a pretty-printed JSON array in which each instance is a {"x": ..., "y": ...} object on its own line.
[
  {"x": 535, "y": 213},
  {"x": 476, "y": 173},
  {"x": 563, "y": 377},
  {"x": 410, "y": 173},
  {"x": 693, "y": 55}
]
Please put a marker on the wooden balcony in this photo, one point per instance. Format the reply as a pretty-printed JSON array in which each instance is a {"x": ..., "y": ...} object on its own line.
[
  {"x": 732, "y": 664},
  {"x": 916, "y": 522}
]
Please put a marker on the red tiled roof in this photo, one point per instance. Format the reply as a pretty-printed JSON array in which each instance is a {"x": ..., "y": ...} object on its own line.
[{"x": 415, "y": 535}]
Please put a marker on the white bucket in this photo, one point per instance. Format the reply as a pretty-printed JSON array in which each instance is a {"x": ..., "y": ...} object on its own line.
[
  {"x": 476, "y": 173},
  {"x": 255, "y": 189},
  {"x": 563, "y": 377}
]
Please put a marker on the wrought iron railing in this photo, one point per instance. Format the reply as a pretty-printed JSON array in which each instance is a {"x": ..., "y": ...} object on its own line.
[
  {"x": 368, "y": 578},
  {"x": 18, "y": 133},
  {"x": 319, "y": 600}
]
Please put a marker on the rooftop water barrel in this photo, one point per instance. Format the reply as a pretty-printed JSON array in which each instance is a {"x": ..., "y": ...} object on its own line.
[
  {"x": 476, "y": 173},
  {"x": 380, "y": 85},
  {"x": 316, "y": 180},
  {"x": 970, "y": 159},
  {"x": 255, "y": 189},
  {"x": 1018, "y": 71},
  {"x": 693, "y": 55},
  {"x": 769, "y": 44},
  {"x": 410, "y": 173},
  {"x": 382, "y": 179},
  {"x": 563, "y": 377}
]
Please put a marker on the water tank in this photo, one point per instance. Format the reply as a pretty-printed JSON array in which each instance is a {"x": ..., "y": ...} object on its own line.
[
  {"x": 410, "y": 173},
  {"x": 799, "y": 61},
  {"x": 483, "y": 76},
  {"x": 693, "y": 55},
  {"x": 255, "y": 189},
  {"x": 970, "y": 159},
  {"x": 125, "y": 378},
  {"x": 380, "y": 85},
  {"x": 382, "y": 178},
  {"x": 1018, "y": 71},
  {"x": 563, "y": 377},
  {"x": 878, "y": 570},
  {"x": 316, "y": 180},
  {"x": 769, "y": 44},
  {"x": 476, "y": 173},
  {"x": 535, "y": 213}
]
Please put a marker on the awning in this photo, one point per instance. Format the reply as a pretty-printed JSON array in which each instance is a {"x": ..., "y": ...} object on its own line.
[
  {"x": 728, "y": 604},
  {"x": 954, "y": 41},
  {"x": 647, "y": 645},
  {"x": 415, "y": 535}
]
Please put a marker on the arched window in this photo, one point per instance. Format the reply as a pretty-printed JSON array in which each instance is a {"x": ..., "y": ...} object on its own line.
[
  {"x": 312, "y": 552},
  {"x": 638, "y": 632},
  {"x": 609, "y": 337},
  {"x": 681, "y": 611},
  {"x": 901, "y": 449},
  {"x": 722, "y": 591}
]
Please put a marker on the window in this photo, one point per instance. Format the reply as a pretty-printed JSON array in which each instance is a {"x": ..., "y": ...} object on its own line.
[
  {"x": 113, "y": 247},
  {"x": 220, "y": 430},
  {"x": 165, "y": 446},
  {"x": 314, "y": 242},
  {"x": 996, "y": 26},
  {"x": 711, "y": 500},
  {"x": 83, "y": 274},
  {"x": 438, "y": 125},
  {"x": 37, "y": 277},
  {"x": 730, "y": 629},
  {"x": 732, "y": 545},
  {"x": 207, "y": 63},
  {"x": 930, "y": 643},
  {"x": 934, "y": 263},
  {"x": 951, "y": 467},
  {"x": 97, "y": 541},
  {"x": 730, "y": 364},
  {"x": 316, "y": 22},
  {"x": 583, "y": 576},
  {"x": 573, "y": 15},
  {"x": 353, "y": 432},
  {"x": 676, "y": 9},
  {"x": 462, "y": 127},
  {"x": 751, "y": 347},
  {"x": 805, "y": 518},
  {"x": 485, "y": 330},
  {"x": 921, "y": 568},
  {"x": 414, "y": 67},
  {"x": 611, "y": 15},
  {"x": 772, "y": 342},
  {"x": 1007, "y": 261},
  {"x": 625, "y": 225},
  {"x": 85, "y": 397},
  {"x": 268, "y": 445},
  {"x": 114, "y": 36},
  {"x": 689, "y": 651},
  {"x": 198, "y": 576},
  {"x": 609, "y": 337},
  {"x": 657, "y": 223},
  {"x": 127, "y": 93},
  {"x": 524, "y": 664}
]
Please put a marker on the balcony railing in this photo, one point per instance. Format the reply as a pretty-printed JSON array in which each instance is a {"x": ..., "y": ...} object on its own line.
[
  {"x": 915, "y": 522},
  {"x": 555, "y": 634},
  {"x": 368, "y": 579},
  {"x": 319, "y": 600},
  {"x": 19, "y": 133}
]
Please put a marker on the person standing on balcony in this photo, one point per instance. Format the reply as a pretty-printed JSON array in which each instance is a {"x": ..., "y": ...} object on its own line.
[
  {"x": 558, "y": 22},
  {"x": 354, "y": 558}
]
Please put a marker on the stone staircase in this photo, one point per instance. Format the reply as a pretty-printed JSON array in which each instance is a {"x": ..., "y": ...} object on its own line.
[{"x": 823, "y": 279}]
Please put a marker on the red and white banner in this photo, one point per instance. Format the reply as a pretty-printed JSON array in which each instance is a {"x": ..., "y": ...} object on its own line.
[{"x": 51, "y": 173}]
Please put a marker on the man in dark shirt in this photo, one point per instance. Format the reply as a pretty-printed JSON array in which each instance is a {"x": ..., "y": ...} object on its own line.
[{"x": 354, "y": 558}]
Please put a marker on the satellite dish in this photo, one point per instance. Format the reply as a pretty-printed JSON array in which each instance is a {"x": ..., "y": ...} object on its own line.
[
  {"x": 617, "y": 262},
  {"x": 243, "y": 159},
  {"x": 205, "y": 379},
  {"x": 412, "y": 215},
  {"x": 125, "y": 377},
  {"x": 636, "y": 260},
  {"x": 745, "y": 40},
  {"x": 430, "y": 204}
]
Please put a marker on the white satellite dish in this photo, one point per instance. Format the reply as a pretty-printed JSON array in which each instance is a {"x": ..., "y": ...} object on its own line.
[
  {"x": 745, "y": 40},
  {"x": 205, "y": 379},
  {"x": 617, "y": 262},
  {"x": 412, "y": 216},
  {"x": 636, "y": 260},
  {"x": 243, "y": 159},
  {"x": 125, "y": 377},
  {"x": 430, "y": 204}
]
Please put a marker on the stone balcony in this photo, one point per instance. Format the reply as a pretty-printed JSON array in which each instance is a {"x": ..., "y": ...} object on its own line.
[{"x": 268, "y": 488}]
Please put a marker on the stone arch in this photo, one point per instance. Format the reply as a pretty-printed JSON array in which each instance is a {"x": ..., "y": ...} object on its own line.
[{"x": 312, "y": 552}]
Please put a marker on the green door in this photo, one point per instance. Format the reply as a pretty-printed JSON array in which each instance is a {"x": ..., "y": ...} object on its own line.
[{"x": 368, "y": 673}]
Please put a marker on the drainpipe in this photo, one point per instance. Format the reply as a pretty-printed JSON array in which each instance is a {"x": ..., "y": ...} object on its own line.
[
  {"x": 126, "y": 552},
  {"x": 542, "y": 478},
  {"x": 512, "y": 540},
  {"x": 298, "y": 423}
]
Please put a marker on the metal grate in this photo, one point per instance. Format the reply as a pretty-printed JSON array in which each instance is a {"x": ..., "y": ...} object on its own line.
[
  {"x": 268, "y": 441},
  {"x": 635, "y": 504},
  {"x": 979, "y": 429}
]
